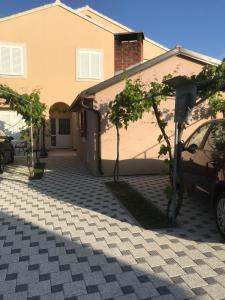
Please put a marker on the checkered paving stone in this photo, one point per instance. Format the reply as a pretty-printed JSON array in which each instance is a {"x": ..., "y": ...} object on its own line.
[{"x": 67, "y": 237}]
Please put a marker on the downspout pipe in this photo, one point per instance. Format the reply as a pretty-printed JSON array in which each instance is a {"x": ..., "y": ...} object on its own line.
[{"x": 98, "y": 115}]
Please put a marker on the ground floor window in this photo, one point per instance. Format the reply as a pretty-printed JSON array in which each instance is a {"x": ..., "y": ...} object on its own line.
[{"x": 64, "y": 126}]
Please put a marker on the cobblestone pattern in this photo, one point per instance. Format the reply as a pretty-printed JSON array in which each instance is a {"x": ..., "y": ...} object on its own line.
[{"x": 67, "y": 237}]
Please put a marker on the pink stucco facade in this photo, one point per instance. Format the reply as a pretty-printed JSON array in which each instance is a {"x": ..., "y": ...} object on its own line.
[
  {"x": 51, "y": 36},
  {"x": 139, "y": 146}
]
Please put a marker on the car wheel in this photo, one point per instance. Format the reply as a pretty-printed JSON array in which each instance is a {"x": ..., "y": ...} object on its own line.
[
  {"x": 220, "y": 213},
  {"x": 2, "y": 165}
]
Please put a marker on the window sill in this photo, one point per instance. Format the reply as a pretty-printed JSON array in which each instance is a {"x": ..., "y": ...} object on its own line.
[
  {"x": 13, "y": 76},
  {"x": 89, "y": 79}
]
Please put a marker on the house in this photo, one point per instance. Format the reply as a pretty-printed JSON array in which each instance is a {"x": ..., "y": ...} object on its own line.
[
  {"x": 62, "y": 51},
  {"x": 138, "y": 144}
]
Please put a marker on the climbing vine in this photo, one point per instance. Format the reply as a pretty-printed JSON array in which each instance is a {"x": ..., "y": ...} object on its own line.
[{"x": 22, "y": 103}]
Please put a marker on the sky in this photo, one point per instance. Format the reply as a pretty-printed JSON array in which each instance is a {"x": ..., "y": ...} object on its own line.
[{"x": 198, "y": 25}]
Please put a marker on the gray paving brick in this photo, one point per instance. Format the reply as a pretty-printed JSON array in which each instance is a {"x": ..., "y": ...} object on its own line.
[
  {"x": 39, "y": 288},
  {"x": 181, "y": 291},
  {"x": 61, "y": 277},
  {"x": 7, "y": 286},
  {"x": 16, "y": 296},
  {"x": 216, "y": 291},
  {"x": 110, "y": 290},
  {"x": 145, "y": 290},
  {"x": 28, "y": 277},
  {"x": 94, "y": 278},
  {"x": 74, "y": 288},
  {"x": 95, "y": 296},
  {"x": 60, "y": 233},
  {"x": 194, "y": 280}
]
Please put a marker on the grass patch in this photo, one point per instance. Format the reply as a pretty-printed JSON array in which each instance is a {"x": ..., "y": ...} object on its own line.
[{"x": 147, "y": 214}]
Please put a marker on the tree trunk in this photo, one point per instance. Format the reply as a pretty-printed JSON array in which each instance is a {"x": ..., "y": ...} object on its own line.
[
  {"x": 116, "y": 166},
  {"x": 43, "y": 147},
  {"x": 37, "y": 144},
  {"x": 158, "y": 119}
]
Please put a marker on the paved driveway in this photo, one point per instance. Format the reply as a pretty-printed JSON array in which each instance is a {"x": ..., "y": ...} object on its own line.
[{"x": 67, "y": 237}]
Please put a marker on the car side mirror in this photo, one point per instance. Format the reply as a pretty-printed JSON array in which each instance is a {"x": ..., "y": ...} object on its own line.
[
  {"x": 192, "y": 148},
  {"x": 10, "y": 138}
]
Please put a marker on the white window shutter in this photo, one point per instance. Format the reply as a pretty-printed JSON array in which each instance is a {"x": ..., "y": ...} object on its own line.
[
  {"x": 5, "y": 60},
  {"x": 17, "y": 60},
  {"x": 89, "y": 64},
  {"x": 11, "y": 59},
  {"x": 95, "y": 65},
  {"x": 84, "y": 71}
]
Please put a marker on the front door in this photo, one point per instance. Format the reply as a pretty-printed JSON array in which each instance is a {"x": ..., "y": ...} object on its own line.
[{"x": 60, "y": 133}]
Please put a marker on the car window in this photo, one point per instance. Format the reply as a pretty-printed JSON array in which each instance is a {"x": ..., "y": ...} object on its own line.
[
  {"x": 198, "y": 136},
  {"x": 216, "y": 138}
]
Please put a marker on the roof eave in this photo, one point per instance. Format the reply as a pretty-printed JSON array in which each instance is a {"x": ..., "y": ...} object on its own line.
[{"x": 119, "y": 25}]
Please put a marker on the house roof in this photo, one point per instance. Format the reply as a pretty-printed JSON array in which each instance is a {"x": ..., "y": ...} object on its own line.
[
  {"x": 78, "y": 12},
  {"x": 87, "y": 7},
  {"x": 56, "y": 3},
  {"x": 178, "y": 51}
]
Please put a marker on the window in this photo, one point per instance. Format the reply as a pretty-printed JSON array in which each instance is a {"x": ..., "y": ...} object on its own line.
[
  {"x": 53, "y": 126},
  {"x": 198, "y": 136},
  {"x": 64, "y": 126},
  {"x": 11, "y": 59},
  {"x": 216, "y": 138},
  {"x": 89, "y": 64}
]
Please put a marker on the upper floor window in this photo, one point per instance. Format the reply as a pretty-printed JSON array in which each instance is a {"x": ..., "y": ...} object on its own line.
[
  {"x": 11, "y": 59},
  {"x": 89, "y": 64}
]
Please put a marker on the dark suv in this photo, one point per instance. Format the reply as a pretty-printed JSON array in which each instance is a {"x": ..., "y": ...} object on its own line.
[{"x": 203, "y": 165}]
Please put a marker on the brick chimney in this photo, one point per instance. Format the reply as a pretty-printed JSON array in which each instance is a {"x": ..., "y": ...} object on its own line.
[{"x": 128, "y": 49}]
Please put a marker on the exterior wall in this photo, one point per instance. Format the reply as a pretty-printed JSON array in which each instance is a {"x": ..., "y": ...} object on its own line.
[
  {"x": 51, "y": 37},
  {"x": 87, "y": 146},
  {"x": 106, "y": 23},
  {"x": 139, "y": 146},
  {"x": 150, "y": 50}
]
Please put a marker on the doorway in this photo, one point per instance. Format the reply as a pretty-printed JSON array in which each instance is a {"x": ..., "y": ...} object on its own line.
[{"x": 60, "y": 126}]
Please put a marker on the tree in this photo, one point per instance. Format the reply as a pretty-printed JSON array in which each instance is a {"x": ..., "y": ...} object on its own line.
[{"x": 126, "y": 108}]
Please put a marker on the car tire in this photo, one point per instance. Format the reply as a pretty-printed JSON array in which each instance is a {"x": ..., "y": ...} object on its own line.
[
  {"x": 220, "y": 213},
  {"x": 2, "y": 164}
]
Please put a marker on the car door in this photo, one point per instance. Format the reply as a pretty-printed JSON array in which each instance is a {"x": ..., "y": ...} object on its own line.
[
  {"x": 193, "y": 165},
  {"x": 213, "y": 145}
]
